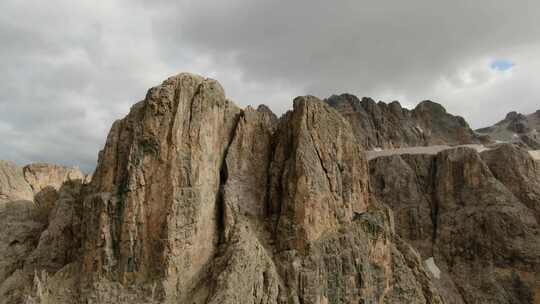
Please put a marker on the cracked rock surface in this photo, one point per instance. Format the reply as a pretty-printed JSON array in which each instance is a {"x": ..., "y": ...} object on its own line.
[
  {"x": 475, "y": 213},
  {"x": 195, "y": 200},
  {"x": 39, "y": 220},
  {"x": 379, "y": 125}
]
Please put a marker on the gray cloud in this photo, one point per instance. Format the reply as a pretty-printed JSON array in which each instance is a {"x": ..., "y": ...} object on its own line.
[{"x": 68, "y": 72}]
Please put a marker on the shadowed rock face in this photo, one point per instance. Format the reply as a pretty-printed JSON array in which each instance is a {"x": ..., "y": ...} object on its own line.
[
  {"x": 197, "y": 201},
  {"x": 476, "y": 214},
  {"x": 157, "y": 197},
  {"x": 40, "y": 217},
  {"x": 319, "y": 174},
  {"x": 381, "y": 125}
]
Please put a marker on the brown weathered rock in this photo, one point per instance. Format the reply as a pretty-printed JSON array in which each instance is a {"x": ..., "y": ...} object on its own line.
[
  {"x": 518, "y": 171},
  {"x": 483, "y": 238},
  {"x": 22, "y": 225},
  {"x": 40, "y": 231},
  {"x": 381, "y": 125},
  {"x": 197, "y": 201},
  {"x": 246, "y": 168},
  {"x": 41, "y": 176},
  {"x": 157, "y": 189},
  {"x": 13, "y": 186},
  {"x": 335, "y": 244},
  {"x": 319, "y": 174}
]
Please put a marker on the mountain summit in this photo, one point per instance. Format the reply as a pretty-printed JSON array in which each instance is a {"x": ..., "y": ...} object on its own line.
[{"x": 195, "y": 200}]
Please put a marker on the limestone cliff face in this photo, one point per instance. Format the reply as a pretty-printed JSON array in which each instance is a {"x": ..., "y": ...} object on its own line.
[
  {"x": 42, "y": 176},
  {"x": 381, "y": 125},
  {"x": 319, "y": 174},
  {"x": 13, "y": 186},
  {"x": 197, "y": 201},
  {"x": 40, "y": 213},
  {"x": 156, "y": 191},
  {"x": 476, "y": 214}
]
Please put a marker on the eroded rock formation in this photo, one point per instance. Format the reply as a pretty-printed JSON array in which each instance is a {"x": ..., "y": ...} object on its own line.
[
  {"x": 195, "y": 200},
  {"x": 476, "y": 214},
  {"x": 40, "y": 220},
  {"x": 384, "y": 126}
]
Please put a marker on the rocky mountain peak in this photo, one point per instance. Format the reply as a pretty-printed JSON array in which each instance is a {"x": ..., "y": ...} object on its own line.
[
  {"x": 195, "y": 200},
  {"x": 516, "y": 128},
  {"x": 512, "y": 116},
  {"x": 430, "y": 106},
  {"x": 380, "y": 125}
]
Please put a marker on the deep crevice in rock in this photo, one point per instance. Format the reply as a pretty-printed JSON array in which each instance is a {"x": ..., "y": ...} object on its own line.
[{"x": 223, "y": 177}]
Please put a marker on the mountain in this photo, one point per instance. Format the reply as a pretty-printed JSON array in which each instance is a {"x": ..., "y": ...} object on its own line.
[
  {"x": 475, "y": 215},
  {"x": 195, "y": 200},
  {"x": 384, "y": 126},
  {"x": 516, "y": 128}
]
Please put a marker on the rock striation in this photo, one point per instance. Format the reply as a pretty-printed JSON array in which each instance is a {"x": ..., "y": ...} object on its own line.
[
  {"x": 474, "y": 214},
  {"x": 389, "y": 126},
  {"x": 195, "y": 200}
]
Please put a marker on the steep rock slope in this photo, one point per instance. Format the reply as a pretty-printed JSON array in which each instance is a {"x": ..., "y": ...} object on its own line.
[
  {"x": 197, "y": 201},
  {"x": 381, "y": 125},
  {"x": 38, "y": 224},
  {"x": 475, "y": 214},
  {"x": 157, "y": 191}
]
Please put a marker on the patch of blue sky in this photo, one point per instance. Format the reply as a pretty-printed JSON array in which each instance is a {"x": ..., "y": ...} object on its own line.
[{"x": 501, "y": 65}]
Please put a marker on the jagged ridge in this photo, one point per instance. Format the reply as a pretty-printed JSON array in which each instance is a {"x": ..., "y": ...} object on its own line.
[
  {"x": 384, "y": 126},
  {"x": 197, "y": 201}
]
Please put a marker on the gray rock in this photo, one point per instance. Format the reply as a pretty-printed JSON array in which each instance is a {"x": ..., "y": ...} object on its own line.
[
  {"x": 389, "y": 126},
  {"x": 197, "y": 201},
  {"x": 476, "y": 214}
]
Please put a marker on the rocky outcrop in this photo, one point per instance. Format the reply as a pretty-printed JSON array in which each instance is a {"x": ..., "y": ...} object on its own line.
[
  {"x": 47, "y": 179},
  {"x": 516, "y": 128},
  {"x": 475, "y": 214},
  {"x": 385, "y": 126},
  {"x": 153, "y": 217},
  {"x": 41, "y": 176},
  {"x": 319, "y": 174},
  {"x": 13, "y": 186},
  {"x": 197, "y": 201},
  {"x": 40, "y": 225},
  {"x": 518, "y": 171}
]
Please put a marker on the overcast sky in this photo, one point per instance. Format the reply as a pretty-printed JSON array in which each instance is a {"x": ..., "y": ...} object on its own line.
[{"x": 68, "y": 68}]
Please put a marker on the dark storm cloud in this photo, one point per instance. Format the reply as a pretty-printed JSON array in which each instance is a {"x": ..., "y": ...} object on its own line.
[
  {"x": 69, "y": 68},
  {"x": 355, "y": 44},
  {"x": 368, "y": 47}
]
